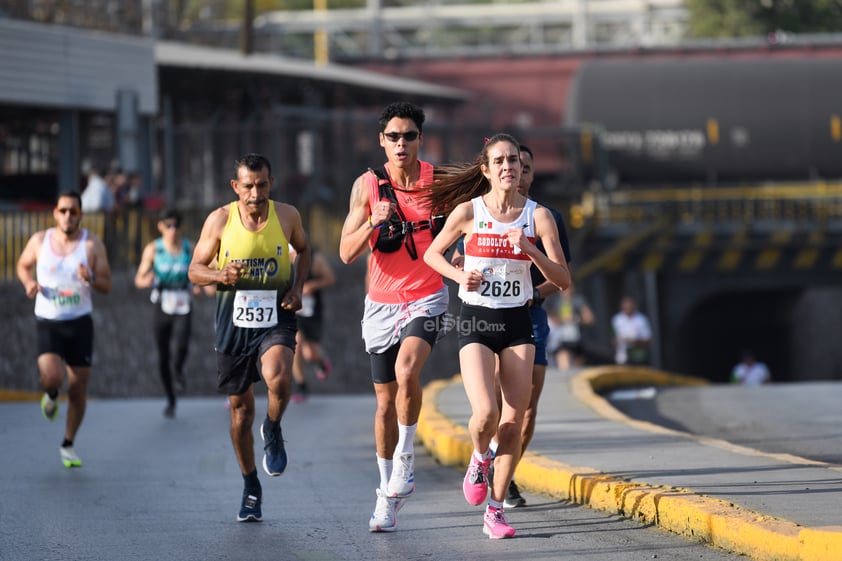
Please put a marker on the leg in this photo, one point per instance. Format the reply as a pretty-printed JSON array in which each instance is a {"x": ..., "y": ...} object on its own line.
[
  {"x": 385, "y": 420},
  {"x": 412, "y": 355},
  {"x": 515, "y": 381},
  {"x": 182, "y": 327},
  {"x": 242, "y": 420},
  {"x": 539, "y": 372},
  {"x": 163, "y": 334},
  {"x": 51, "y": 372},
  {"x": 477, "y": 363},
  {"x": 77, "y": 389},
  {"x": 298, "y": 361},
  {"x": 276, "y": 367}
]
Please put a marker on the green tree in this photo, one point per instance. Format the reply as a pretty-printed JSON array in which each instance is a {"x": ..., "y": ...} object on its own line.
[{"x": 741, "y": 18}]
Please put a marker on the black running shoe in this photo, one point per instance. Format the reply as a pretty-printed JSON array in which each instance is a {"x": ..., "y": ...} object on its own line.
[
  {"x": 250, "y": 508},
  {"x": 275, "y": 456},
  {"x": 513, "y": 498}
]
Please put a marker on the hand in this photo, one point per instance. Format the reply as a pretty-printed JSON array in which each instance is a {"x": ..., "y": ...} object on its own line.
[
  {"x": 32, "y": 288},
  {"x": 458, "y": 261},
  {"x": 291, "y": 301},
  {"x": 472, "y": 280},
  {"x": 231, "y": 273},
  {"x": 381, "y": 212},
  {"x": 85, "y": 273},
  {"x": 517, "y": 238}
]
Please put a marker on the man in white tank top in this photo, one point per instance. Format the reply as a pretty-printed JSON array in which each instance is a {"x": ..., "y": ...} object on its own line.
[{"x": 59, "y": 268}]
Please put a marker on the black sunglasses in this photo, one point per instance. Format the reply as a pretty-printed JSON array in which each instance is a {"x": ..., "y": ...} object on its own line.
[{"x": 395, "y": 136}]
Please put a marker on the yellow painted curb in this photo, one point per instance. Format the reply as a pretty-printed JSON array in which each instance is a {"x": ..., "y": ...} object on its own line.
[
  {"x": 681, "y": 511},
  {"x": 18, "y": 395}
]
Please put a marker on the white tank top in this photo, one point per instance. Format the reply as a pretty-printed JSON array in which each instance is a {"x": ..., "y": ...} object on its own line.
[
  {"x": 506, "y": 282},
  {"x": 63, "y": 295}
]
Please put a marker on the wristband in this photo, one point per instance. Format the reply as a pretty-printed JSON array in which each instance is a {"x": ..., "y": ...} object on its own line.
[{"x": 371, "y": 225}]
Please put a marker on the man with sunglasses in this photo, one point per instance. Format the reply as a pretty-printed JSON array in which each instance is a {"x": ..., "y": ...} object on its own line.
[
  {"x": 59, "y": 268},
  {"x": 406, "y": 300},
  {"x": 163, "y": 266}
]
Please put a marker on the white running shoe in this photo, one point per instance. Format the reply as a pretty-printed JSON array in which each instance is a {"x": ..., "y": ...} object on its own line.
[
  {"x": 385, "y": 517},
  {"x": 69, "y": 457},
  {"x": 402, "y": 482}
]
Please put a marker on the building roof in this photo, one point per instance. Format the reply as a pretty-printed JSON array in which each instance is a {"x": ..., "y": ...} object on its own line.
[{"x": 171, "y": 54}]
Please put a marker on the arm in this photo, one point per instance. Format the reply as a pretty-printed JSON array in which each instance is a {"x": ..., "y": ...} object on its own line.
[
  {"x": 358, "y": 227},
  {"x": 291, "y": 222},
  {"x": 200, "y": 272},
  {"x": 553, "y": 265},
  {"x": 99, "y": 273},
  {"x": 145, "y": 275},
  {"x": 26, "y": 265},
  {"x": 459, "y": 221},
  {"x": 361, "y": 222}
]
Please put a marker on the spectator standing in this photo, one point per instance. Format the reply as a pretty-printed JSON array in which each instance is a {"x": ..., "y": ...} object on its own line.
[
  {"x": 97, "y": 196},
  {"x": 632, "y": 334},
  {"x": 750, "y": 372}
]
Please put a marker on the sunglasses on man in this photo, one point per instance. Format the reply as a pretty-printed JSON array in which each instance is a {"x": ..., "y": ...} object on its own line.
[{"x": 395, "y": 136}]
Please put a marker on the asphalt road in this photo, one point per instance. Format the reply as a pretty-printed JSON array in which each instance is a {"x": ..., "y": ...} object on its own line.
[
  {"x": 154, "y": 489},
  {"x": 802, "y": 419}
]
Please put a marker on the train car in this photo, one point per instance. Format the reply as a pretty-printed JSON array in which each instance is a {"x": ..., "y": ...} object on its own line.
[{"x": 709, "y": 120}]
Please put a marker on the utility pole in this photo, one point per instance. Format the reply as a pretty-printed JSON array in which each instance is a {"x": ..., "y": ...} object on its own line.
[
  {"x": 320, "y": 45},
  {"x": 247, "y": 34}
]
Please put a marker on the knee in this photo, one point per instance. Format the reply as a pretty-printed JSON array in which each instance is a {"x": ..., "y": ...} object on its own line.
[
  {"x": 485, "y": 420},
  {"x": 242, "y": 417},
  {"x": 385, "y": 411}
]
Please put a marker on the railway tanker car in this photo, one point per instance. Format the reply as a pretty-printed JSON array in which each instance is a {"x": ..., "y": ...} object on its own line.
[{"x": 712, "y": 120}]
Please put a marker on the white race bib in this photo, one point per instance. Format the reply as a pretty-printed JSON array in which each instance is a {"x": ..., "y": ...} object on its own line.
[
  {"x": 503, "y": 282},
  {"x": 67, "y": 297},
  {"x": 255, "y": 308},
  {"x": 308, "y": 306},
  {"x": 175, "y": 302}
]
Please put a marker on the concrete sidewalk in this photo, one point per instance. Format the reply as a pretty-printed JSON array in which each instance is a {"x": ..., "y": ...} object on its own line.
[{"x": 766, "y": 506}]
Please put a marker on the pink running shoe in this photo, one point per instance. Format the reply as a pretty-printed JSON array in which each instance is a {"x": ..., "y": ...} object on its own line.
[
  {"x": 475, "y": 484},
  {"x": 494, "y": 525},
  {"x": 324, "y": 369}
]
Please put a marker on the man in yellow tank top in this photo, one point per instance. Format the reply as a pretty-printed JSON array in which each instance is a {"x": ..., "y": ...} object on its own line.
[{"x": 244, "y": 250}]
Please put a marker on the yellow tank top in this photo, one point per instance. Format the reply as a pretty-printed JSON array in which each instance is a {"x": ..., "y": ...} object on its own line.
[{"x": 265, "y": 254}]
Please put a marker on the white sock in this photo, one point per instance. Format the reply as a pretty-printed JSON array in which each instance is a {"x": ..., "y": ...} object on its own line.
[
  {"x": 385, "y": 467},
  {"x": 482, "y": 456},
  {"x": 493, "y": 446},
  {"x": 406, "y": 439}
]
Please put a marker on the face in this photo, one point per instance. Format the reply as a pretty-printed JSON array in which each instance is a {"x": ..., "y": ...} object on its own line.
[
  {"x": 503, "y": 167},
  {"x": 527, "y": 174},
  {"x": 252, "y": 187},
  {"x": 67, "y": 214},
  {"x": 169, "y": 228},
  {"x": 400, "y": 150}
]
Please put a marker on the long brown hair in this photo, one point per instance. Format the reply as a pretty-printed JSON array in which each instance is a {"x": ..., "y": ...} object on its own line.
[{"x": 456, "y": 183}]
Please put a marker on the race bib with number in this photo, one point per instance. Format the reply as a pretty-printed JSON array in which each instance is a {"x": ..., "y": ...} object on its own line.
[
  {"x": 256, "y": 308},
  {"x": 308, "y": 306},
  {"x": 175, "y": 302},
  {"x": 502, "y": 283}
]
